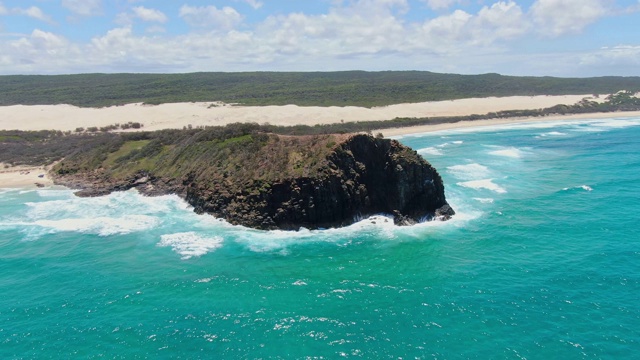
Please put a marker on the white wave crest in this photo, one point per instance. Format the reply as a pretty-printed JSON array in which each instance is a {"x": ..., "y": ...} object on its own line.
[
  {"x": 102, "y": 226},
  {"x": 553, "y": 133},
  {"x": 583, "y": 187},
  {"x": 616, "y": 123},
  {"x": 486, "y": 184},
  {"x": 469, "y": 171},
  {"x": 511, "y": 152},
  {"x": 114, "y": 205},
  {"x": 484, "y": 200},
  {"x": 190, "y": 244},
  {"x": 430, "y": 151},
  {"x": 376, "y": 228}
]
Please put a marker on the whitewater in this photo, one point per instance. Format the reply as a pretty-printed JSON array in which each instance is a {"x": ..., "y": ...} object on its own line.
[{"x": 542, "y": 260}]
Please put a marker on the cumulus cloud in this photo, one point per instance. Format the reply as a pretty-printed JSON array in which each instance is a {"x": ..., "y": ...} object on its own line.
[
  {"x": 151, "y": 15},
  {"x": 366, "y": 34},
  {"x": 620, "y": 56},
  {"x": 83, "y": 7},
  {"x": 440, "y": 4},
  {"x": 455, "y": 32},
  {"x": 254, "y": 3},
  {"x": 559, "y": 17},
  {"x": 500, "y": 21},
  {"x": 33, "y": 12},
  {"x": 211, "y": 17}
]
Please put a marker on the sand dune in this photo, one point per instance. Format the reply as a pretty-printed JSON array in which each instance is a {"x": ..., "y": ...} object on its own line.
[{"x": 178, "y": 115}]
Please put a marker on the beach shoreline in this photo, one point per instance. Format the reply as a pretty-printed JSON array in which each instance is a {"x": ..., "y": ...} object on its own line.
[
  {"x": 66, "y": 117},
  {"x": 427, "y": 128},
  {"x": 185, "y": 115},
  {"x": 24, "y": 177}
]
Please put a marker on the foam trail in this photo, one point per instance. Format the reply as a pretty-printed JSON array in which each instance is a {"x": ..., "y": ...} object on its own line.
[
  {"x": 583, "y": 187},
  {"x": 190, "y": 244},
  {"x": 553, "y": 133},
  {"x": 430, "y": 151},
  {"x": 101, "y": 226},
  {"x": 374, "y": 228},
  {"x": 486, "y": 184},
  {"x": 469, "y": 171},
  {"x": 511, "y": 152}
]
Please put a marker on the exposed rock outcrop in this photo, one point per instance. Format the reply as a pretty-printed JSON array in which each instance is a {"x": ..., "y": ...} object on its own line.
[{"x": 361, "y": 176}]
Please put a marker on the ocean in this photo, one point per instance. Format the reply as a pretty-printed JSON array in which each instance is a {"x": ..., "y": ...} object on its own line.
[{"x": 541, "y": 261}]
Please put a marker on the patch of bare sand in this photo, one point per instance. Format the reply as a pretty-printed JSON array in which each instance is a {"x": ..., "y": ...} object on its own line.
[
  {"x": 24, "y": 176},
  {"x": 179, "y": 115}
]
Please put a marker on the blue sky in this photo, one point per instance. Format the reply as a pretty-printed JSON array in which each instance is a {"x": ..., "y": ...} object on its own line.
[{"x": 535, "y": 37}]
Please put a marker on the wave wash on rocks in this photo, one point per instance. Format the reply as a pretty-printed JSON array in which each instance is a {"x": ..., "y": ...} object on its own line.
[{"x": 283, "y": 182}]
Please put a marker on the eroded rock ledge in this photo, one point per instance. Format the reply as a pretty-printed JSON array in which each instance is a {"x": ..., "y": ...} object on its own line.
[{"x": 286, "y": 182}]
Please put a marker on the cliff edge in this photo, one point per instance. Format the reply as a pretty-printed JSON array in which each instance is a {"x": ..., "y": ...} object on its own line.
[{"x": 267, "y": 181}]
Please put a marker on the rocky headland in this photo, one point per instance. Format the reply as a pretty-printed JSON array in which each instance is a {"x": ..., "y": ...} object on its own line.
[{"x": 265, "y": 181}]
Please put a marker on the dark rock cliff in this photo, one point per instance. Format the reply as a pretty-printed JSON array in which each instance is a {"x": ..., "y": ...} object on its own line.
[
  {"x": 358, "y": 177},
  {"x": 364, "y": 176}
]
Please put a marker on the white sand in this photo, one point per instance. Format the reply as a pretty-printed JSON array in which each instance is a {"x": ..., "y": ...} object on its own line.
[
  {"x": 493, "y": 122},
  {"x": 178, "y": 115},
  {"x": 67, "y": 117},
  {"x": 23, "y": 177}
]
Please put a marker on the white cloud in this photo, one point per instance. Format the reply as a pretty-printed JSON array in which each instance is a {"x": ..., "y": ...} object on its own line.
[
  {"x": 440, "y": 4},
  {"x": 83, "y": 7},
  {"x": 456, "y": 32},
  {"x": 559, "y": 17},
  {"x": 211, "y": 17},
  {"x": 39, "y": 52},
  {"x": 254, "y": 3},
  {"x": 33, "y": 12},
  {"x": 3, "y": 10},
  {"x": 151, "y": 15},
  {"x": 624, "y": 57},
  {"x": 501, "y": 21},
  {"x": 364, "y": 34}
]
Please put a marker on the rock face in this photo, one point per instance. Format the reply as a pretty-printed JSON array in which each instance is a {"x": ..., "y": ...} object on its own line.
[
  {"x": 363, "y": 177},
  {"x": 358, "y": 177}
]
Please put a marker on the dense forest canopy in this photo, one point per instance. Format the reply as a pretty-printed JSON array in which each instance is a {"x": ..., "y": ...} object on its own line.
[{"x": 349, "y": 88}]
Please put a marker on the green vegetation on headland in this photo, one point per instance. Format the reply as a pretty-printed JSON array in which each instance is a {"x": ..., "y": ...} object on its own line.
[
  {"x": 245, "y": 175},
  {"x": 348, "y": 88},
  {"x": 95, "y": 146}
]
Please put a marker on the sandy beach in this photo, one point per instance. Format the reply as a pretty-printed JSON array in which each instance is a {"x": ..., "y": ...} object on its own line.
[
  {"x": 179, "y": 115},
  {"x": 506, "y": 121},
  {"x": 24, "y": 176}
]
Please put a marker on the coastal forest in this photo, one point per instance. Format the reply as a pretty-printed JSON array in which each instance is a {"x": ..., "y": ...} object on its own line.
[{"x": 346, "y": 88}]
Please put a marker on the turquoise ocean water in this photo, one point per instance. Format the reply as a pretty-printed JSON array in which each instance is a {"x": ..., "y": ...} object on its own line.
[{"x": 542, "y": 261}]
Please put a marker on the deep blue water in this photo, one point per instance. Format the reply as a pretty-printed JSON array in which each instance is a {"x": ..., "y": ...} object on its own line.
[{"x": 542, "y": 261}]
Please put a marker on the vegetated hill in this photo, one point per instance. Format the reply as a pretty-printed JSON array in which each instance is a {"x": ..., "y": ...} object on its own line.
[
  {"x": 348, "y": 88},
  {"x": 248, "y": 177}
]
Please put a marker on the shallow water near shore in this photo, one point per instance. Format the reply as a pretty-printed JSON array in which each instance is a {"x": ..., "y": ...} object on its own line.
[{"x": 542, "y": 260}]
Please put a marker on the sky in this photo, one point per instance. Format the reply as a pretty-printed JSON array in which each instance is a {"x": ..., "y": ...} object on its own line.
[{"x": 567, "y": 38}]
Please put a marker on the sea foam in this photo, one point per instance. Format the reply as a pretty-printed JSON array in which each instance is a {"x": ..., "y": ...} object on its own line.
[
  {"x": 190, "y": 244},
  {"x": 486, "y": 184},
  {"x": 430, "y": 151},
  {"x": 469, "y": 171},
  {"x": 101, "y": 226},
  {"x": 510, "y": 152},
  {"x": 583, "y": 187}
]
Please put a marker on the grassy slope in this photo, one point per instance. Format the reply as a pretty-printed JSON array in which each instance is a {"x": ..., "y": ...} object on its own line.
[
  {"x": 356, "y": 88},
  {"x": 237, "y": 158}
]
